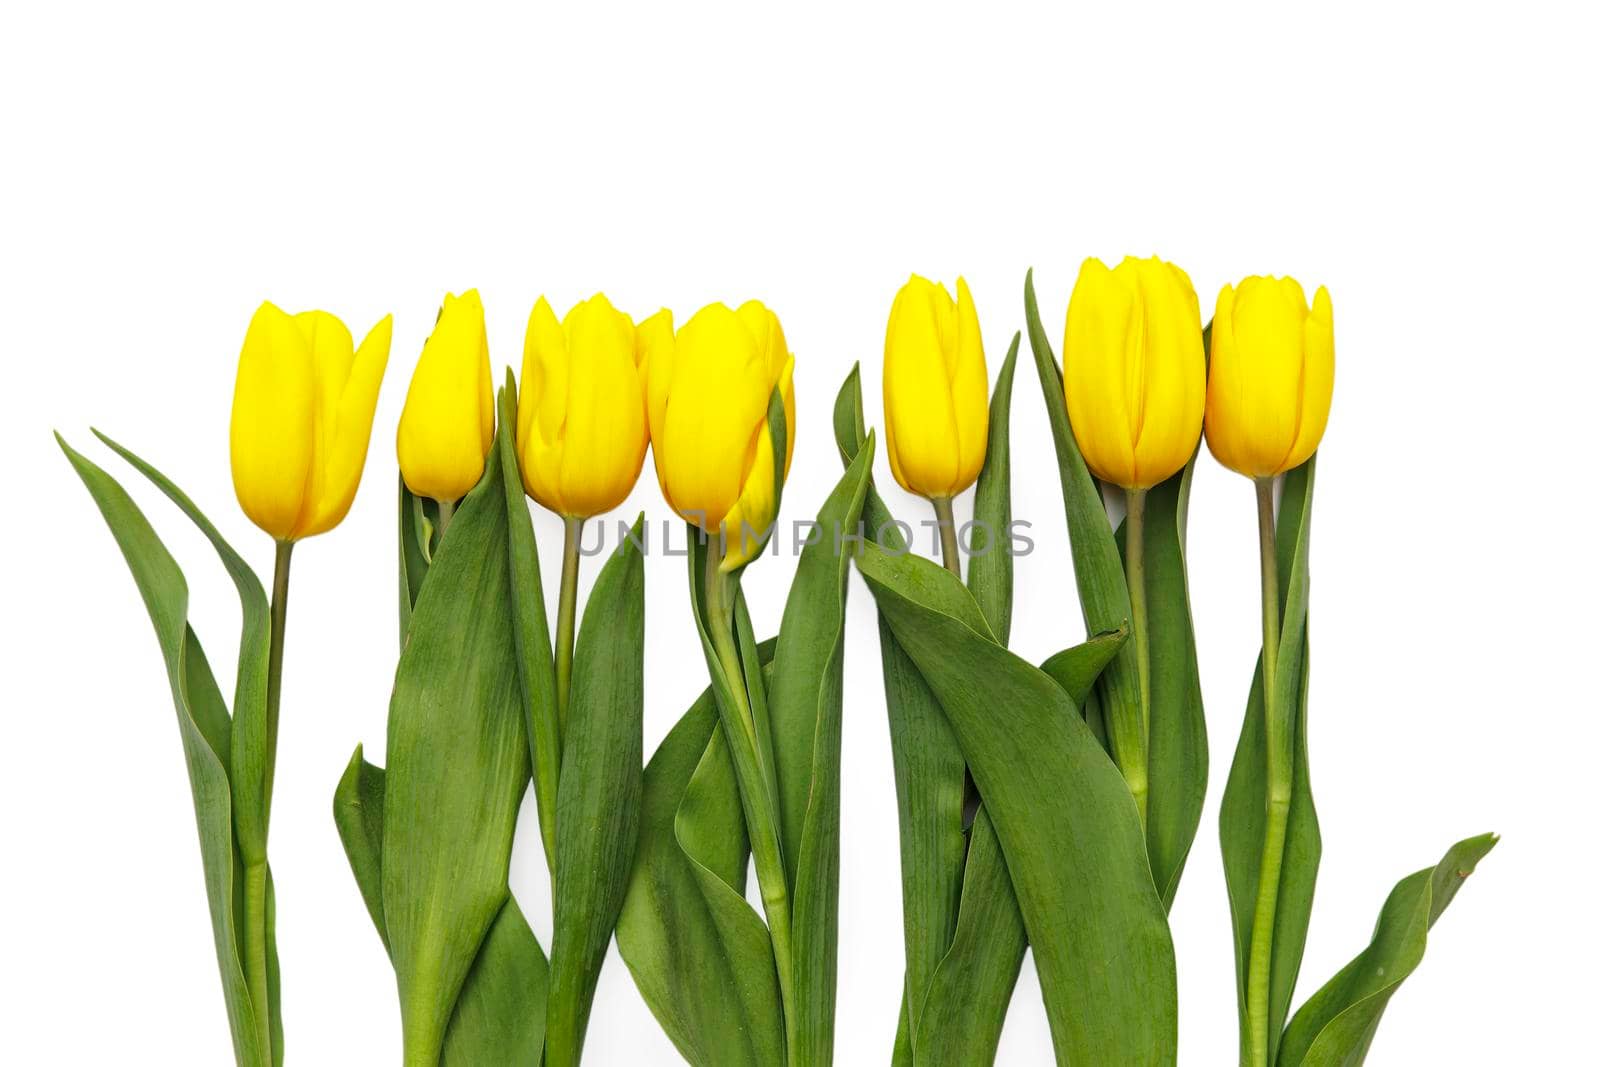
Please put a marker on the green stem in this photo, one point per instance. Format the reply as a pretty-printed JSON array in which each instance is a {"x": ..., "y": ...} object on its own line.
[
  {"x": 1141, "y": 635},
  {"x": 1279, "y": 773},
  {"x": 447, "y": 511},
  {"x": 758, "y": 797},
  {"x": 949, "y": 544},
  {"x": 255, "y": 875},
  {"x": 565, "y": 615}
]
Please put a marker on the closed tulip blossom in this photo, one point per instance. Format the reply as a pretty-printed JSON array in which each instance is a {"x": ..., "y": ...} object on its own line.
[
  {"x": 582, "y": 430},
  {"x": 303, "y": 402},
  {"x": 302, "y": 414},
  {"x": 1271, "y": 376},
  {"x": 1266, "y": 408},
  {"x": 708, "y": 390},
  {"x": 447, "y": 425},
  {"x": 1134, "y": 372},
  {"x": 935, "y": 397}
]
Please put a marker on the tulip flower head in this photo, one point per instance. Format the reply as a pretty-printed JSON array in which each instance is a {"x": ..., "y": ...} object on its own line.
[
  {"x": 582, "y": 429},
  {"x": 447, "y": 425},
  {"x": 302, "y": 415},
  {"x": 708, "y": 389},
  {"x": 935, "y": 389},
  {"x": 1134, "y": 370},
  {"x": 1271, "y": 376}
]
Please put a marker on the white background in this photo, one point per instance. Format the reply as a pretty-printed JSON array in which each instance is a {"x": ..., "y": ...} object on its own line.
[{"x": 165, "y": 169}]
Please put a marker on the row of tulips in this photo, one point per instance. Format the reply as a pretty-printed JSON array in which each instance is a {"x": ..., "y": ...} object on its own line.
[{"x": 1049, "y": 805}]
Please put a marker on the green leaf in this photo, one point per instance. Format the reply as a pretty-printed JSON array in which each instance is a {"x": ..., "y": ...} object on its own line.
[
  {"x": 1179, "y": 758},
  {"x": 965, "y": 1007},
  {"x": 415, "y": 551},
  {"x": 1076, "y": 669},
  {"x": 203, "y": 726},
  {"x": 1244, "y": 798},
  {"x": 990, "y": 564},
  {"x": 598, "y": 812},
  {"x": 929, "y": 770},
  {"x": 1336, "y": 1026},
  {"x": 1066, "y": 823},
  {"x": 806, "y": 705},
  {"x": 536, "y": 674},
  {"x": 1096, "y": 564},
  {"x": 697, "y": 951},
  {"x": 499, "y": 1016},
  {"x": 457, "y": 767}
]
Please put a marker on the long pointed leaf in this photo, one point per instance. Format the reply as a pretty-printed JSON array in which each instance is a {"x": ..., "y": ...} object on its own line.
[
  {"x": 457, "y": 767},
  {"x": 1066, "y": 823},
  {"x": 1336, "y": 1026},
  {"x": 203, "y": 726},
  {"x": 597, "y": 816}
]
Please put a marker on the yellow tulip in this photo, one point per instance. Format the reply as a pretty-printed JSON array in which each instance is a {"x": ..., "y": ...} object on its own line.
[
  {"x": 1134, "y": 368},
  {"x": 935, "y": 389},
  {"x": 302, "y": 414},
  {"x": 1271, "y": 376},
  {"x": 447, "y": 425},
  {"x": 581, "y": 424},
  {"x": 708, "y": 391}
]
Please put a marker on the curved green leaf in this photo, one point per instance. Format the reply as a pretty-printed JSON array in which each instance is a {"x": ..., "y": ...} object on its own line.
[
  {"x": 806, "y": 704},
  {"x": 597, "y": 817},
  {"x": 456, "y": 769},
  {"x": 930, "y": 772},
  {"x": 499, "y": 1016},
  {"x": 1244, "y": 798},
  {"x": 1336, "y": 1026},
  {"x": 697, "y": 951},
  {"x": 1096, "y": 564},
  {"x": 990, "y": 565},
  {"x": 536, "y": 674},
  {"x": 203, "y": 725},
  {"x": 1066, "y": 823}
]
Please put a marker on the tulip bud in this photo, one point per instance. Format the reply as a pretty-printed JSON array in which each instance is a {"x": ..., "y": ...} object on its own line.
[
  {"x": 1271, "y": 376},
  {"x": 582, "y": 430},
  {"x": 935, "y": 389},
  {"x": 1134, "y": 369},
  {"x": 302, "y": 414},
  {"x": 447, "y": 425},
  {"x": 708, "y": 393}
]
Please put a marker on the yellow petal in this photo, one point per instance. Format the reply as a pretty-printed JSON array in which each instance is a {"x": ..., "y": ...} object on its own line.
[
  {"x": 1173, "y": 384},
  {"x": 541, "y": 406},
  {"x": 270, "y": 434},
  {"x": 1104, "y": 337},
  {"x": 749, "y": 522},
  {"x": 443, "y": 438},
  {"x": 606, "y": 429},
  {"x": 919, "y": 417},
  {"x": 969, "y": 391},
  {"x": 1316, "y": 385},
  {"x": 350, "y": 428}
]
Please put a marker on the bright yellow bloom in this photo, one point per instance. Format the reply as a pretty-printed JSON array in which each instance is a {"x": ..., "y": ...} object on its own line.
[
  {"x": 708, "y": 392},
  {"x": 448, "y": 422},
  {"x": 1134, "y": 368},
  {"x": 1271, "y": 376},
  {"x": 302, "y": 413},
  {"x": 581, "y": 424},
  {"x": 935, "y": 389}
]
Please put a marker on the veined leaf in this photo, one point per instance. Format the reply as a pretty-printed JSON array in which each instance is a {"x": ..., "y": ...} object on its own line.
[
  {"x": 929, "y": 770},
  {"x": 499, "y": 1015},
  {"x": 598, "y": 812},
  {"x": 1244, "y": 799},
  {"x": 697, "y": 951},
  {"x": 1066, "y": 823},
  {"x": 806, "y": 704},
  {"x": 416, "y": 520},
  {"x": 1102, "y": 585},
  {"x": 1336, "y": 1026},
  {"x": 536, "y": 674},
  {"x": 456, "y": 770},
  {"x": 203, "y": 725},
  {"x": 990, "y": 566}
]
